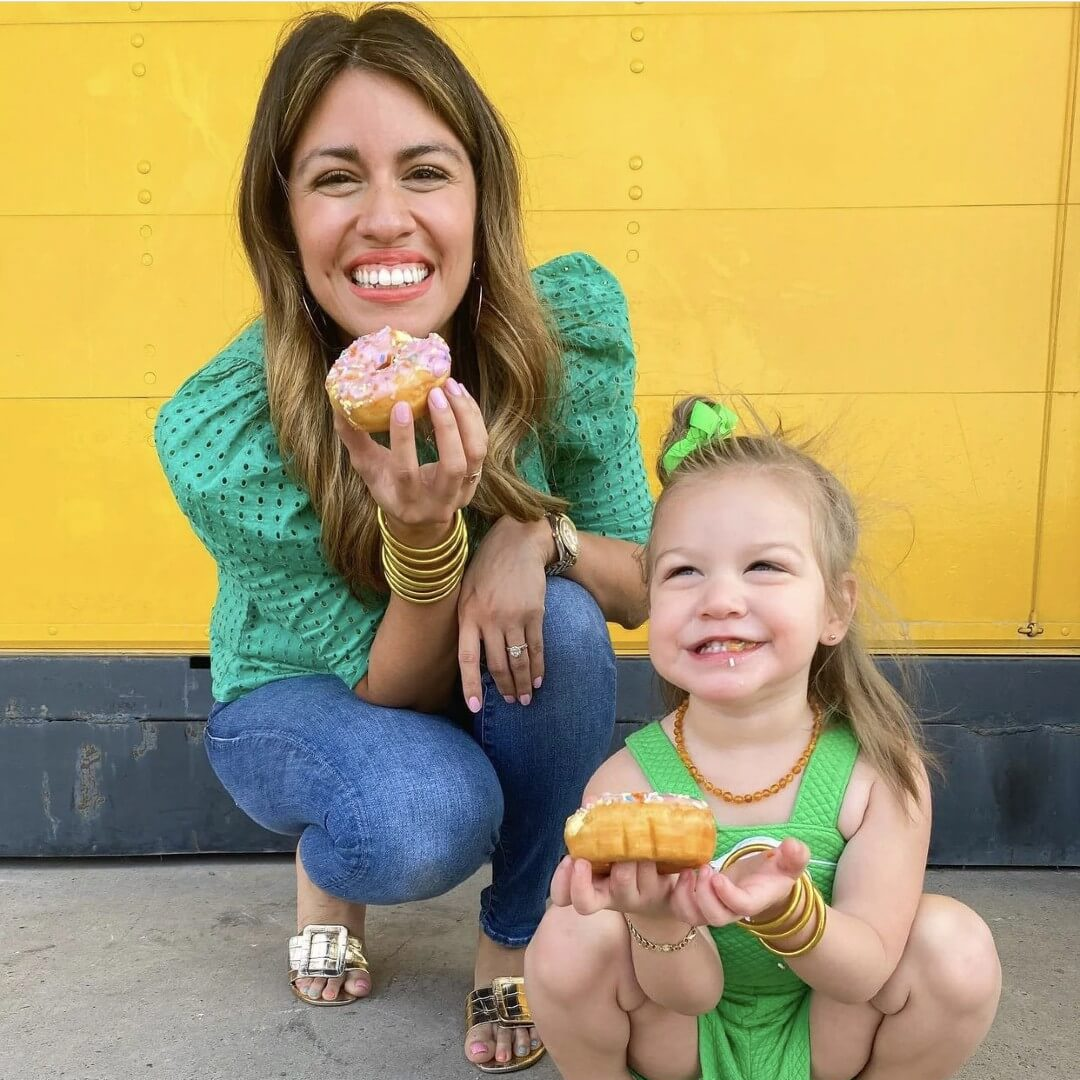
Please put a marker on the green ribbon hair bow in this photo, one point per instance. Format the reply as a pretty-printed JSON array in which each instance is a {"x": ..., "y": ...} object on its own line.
[{"x": 707, "y": 422}]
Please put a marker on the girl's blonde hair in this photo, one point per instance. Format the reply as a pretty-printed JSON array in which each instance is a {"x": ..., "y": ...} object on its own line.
[
  {"x": 507, "y": 355},
  {"x": 843, "y": 677}
]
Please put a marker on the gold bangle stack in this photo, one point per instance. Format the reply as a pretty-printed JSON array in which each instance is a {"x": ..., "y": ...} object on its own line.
[
  {"x": 659, "y": 946},
  {"x": 805, "y": 904},
  {"x": 424, "y": 575}
]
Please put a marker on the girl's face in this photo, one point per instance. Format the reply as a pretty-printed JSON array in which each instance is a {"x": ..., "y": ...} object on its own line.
[
  {"x": 737, "y": 600},
  {"x": 382, "y": 200}
]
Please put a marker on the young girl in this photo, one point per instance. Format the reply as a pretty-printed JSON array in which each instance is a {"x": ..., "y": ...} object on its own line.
[{"x": 807, "y": 949}]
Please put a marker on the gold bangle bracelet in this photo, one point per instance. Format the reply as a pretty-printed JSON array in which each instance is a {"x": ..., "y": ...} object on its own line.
[
  {"x": 764, "y": 929},
  {"x": 461, "y": 543},
  {"x": 401, "y": 584},
  {"x": 434, "y": 573},
  {"x": 819, "y": 932},
  {"x": 810, "y": 892},
  {"x": 421, "y": 554},
  {"x": 414, "y": 599},
  {"x": 659, "y": 946}
]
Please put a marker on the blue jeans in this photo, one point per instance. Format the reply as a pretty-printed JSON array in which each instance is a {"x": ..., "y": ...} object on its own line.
[{"x": 392, "y": 805}]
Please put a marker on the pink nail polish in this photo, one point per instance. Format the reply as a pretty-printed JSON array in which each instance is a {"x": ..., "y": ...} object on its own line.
[
  {"x": 453, "y": 388},
  {"x": 537, "y": 683},
  {"x": 402, "y": 412},
  {"x": 525, "y": 699},
  {"x": 438, "y": 399},
  {"x": 508, "y": 699},
  {"x": 478, "y": 1048},
  {"x": 474, "y": 704}
]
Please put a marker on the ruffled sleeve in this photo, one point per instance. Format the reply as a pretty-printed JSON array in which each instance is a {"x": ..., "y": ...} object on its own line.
[
  {"x": 596, "y": 461},
  {"x": 281, "y": 609}
]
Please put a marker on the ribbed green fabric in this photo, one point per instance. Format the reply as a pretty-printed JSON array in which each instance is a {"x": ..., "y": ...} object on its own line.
[
  {"x": 280, "y": 609},
  {"x": 761, "y": 1027}
]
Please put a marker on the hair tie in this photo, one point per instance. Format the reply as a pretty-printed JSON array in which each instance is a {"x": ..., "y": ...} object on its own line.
[{"x": 707, "y": 423}]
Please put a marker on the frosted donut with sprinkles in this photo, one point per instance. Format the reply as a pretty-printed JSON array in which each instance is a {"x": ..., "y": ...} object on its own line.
[
  {"x": 382, "y": 368},
  {"x": 674, "y": 831}
]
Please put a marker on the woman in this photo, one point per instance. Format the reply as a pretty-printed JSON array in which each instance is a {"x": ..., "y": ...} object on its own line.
[{"x": 407, "y": 743}]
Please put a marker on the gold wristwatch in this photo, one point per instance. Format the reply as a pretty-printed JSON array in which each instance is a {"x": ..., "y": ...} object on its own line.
[{"x": 565, "y": 535}]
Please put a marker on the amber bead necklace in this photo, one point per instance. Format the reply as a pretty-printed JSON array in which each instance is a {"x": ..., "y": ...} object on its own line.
[{"x": 751, "y": 797}]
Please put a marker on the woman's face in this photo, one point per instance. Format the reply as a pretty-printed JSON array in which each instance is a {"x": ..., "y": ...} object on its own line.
[{"x": 382, "y": 200}]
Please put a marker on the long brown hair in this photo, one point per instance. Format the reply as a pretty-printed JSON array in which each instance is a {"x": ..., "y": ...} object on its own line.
[
  {"x": 509, "y": 360},
  {"x": 843, "y": 677}
]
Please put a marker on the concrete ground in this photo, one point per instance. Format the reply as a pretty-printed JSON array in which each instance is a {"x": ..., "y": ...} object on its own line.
[{"x": 175, "y": 969}]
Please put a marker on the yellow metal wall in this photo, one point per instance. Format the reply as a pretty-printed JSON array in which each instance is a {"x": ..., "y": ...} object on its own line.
[{"x": 863, "y": 215}]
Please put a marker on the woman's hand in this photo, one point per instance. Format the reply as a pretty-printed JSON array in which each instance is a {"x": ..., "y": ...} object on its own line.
[
  {"x": 419, "y": 501},
  {"x": 502, "y": 604}
]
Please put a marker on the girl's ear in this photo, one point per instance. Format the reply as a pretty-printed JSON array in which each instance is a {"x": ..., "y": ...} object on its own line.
[{"x": 839, "y": 620}]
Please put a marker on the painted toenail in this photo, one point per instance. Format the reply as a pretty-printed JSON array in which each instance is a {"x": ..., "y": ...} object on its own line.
[
  {"x": 313, "y": 992},
  {"x": 478, "y": 1048},
  {"x": 535, "y": 1043}
]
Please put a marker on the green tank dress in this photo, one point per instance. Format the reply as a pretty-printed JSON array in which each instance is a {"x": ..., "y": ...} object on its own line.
[{"x": 760, "y": 1030}]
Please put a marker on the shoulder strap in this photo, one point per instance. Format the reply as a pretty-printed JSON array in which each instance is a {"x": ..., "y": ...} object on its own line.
[
  {"x": 825, "y": 781},
  {"x": 654, "y": 753}
]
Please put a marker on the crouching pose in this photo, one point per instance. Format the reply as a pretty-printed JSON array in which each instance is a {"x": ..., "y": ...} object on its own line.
[{"x": 807, "y": 948}]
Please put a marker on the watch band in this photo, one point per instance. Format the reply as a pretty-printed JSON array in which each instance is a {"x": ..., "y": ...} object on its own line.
[{"x": 564, "y": 558}]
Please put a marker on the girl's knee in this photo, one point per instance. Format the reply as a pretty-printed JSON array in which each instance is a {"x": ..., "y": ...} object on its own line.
[
  {"x": 954, "y": 954},
  {"x": 570, "y": 954}
]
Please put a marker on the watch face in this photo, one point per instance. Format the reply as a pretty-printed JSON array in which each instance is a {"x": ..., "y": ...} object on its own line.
[{"x": 568, "y": 535}]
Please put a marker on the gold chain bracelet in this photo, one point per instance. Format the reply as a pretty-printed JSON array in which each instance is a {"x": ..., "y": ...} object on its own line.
[{"x": 658, "y": 946}]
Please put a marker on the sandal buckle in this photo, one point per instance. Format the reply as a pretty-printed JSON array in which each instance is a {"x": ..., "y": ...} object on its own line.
[
  {"x": 510, "y": 1002},
  {"x": 319, "y": 952}
]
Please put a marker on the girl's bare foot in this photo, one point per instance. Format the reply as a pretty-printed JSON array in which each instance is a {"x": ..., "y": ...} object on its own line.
[
  {"x": 315, "y": 906},
  {"x": 482, "y": 1043}
]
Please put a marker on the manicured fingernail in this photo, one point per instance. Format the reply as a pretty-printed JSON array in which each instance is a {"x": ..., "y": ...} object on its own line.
[
  {"x": 474, "y": 704},
  {"x": 537, "y": 683},
  {"x": 508, "y": 699},
  {"x": 438, "y": 398},
  {"x": 478, "y": 1048},
  {"x": 525, "y": 699},
  {"x": 402, "y": 412},
  {"x": 453, "y": 388}
]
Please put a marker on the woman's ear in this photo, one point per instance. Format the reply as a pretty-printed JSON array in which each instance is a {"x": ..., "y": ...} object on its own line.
[{"x": 840, "y": 618}]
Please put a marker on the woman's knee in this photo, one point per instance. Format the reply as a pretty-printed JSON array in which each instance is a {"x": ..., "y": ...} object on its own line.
[
  {"x": 412, "y": 843},
  {"x": 952, "y": 951},
  {"x": 576, "y": 638}
]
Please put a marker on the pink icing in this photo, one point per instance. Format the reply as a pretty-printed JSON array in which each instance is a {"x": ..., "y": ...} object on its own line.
[{"x": 381, "y": 366}]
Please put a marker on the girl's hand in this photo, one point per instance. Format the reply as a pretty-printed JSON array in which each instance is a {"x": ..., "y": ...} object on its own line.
[
  {"x": 636, "y": 888},
  {"x": 419, "y": 501},
  {"x": 759, "y": 883},
  {"x": 501, "y": 604}
]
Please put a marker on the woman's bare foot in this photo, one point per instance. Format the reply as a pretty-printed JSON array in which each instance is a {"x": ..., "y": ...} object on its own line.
[
  {"x": 481, "y": 1042},
  {"x": 315, "y": 906}
]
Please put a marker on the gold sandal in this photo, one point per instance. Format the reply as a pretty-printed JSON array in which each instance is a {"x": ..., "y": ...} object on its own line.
[
  {"x": 502, "y": 1004},
  {"x": 324, "y": 952}
]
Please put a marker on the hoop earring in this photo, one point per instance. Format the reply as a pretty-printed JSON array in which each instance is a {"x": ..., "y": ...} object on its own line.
[
  {"x": 311, "y": 317},
  {"x": 479, "y": 302}
]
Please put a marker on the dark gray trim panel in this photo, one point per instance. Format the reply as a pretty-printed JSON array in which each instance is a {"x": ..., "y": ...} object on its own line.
[{"x": 103, "y": 756}]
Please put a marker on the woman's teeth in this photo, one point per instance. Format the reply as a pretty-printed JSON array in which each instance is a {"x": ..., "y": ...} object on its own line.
[{"x": 389, "y": 277}]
